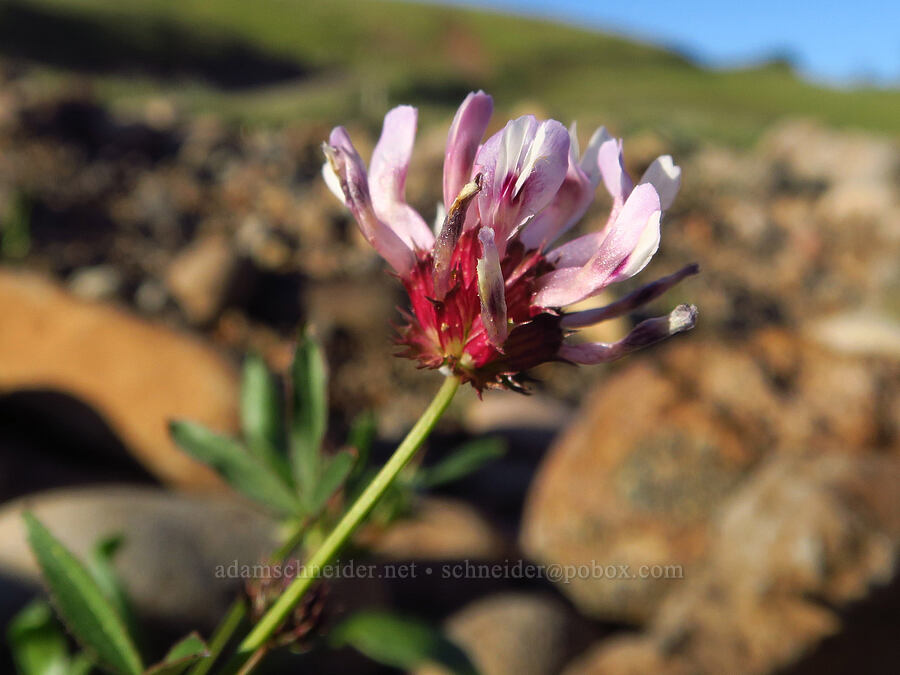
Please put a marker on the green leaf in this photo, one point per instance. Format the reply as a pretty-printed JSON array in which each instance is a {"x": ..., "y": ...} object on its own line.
[
  {"x": 401, "y": 642},
  {"x": 244, "y": 472},
  {"x": 261, "y": 420},
  {"x": 309, "y": 414},
  {"x": 361, "y": 436},
  {"x": 466, "y": 459},
  {"x": 100, "y": 565},
  {"x": 333, "y": 477},
  {"x": 37, "y": 642},
  {"x": 81, "y": 603},
  {"x": 182, "y": 656}
]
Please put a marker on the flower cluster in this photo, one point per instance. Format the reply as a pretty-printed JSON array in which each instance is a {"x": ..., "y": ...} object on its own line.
[{"x": 488, "y": 288}]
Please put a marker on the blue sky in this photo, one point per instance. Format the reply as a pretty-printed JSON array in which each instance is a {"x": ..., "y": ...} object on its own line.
[{"x": 836, "y": 42}]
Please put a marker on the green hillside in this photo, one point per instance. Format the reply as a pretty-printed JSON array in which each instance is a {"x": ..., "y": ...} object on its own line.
[{"x": 349, "y": 59}]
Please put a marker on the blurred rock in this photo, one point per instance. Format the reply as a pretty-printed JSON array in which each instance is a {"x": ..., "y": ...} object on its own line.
[
  {"x": 806, "y": 537},
  {"x": 439, "y": 529},
  {"x": 858, "y": 333},
  {"x": 173, "y": 544},
  {"x": 516, "y": 634},
  {"x": 641, "y": 484},
  {"x": 199, "y": 278},
  {"x": 137, "y": 375},
  {"x": 631, "y": 485},
  {"x": 96, "y": 283},
  {"x": 505, "y": 410}
]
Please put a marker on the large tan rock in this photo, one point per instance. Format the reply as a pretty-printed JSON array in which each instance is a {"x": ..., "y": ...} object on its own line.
[
  {"x": 807, "y": 537},
  {"x": 135, "y": 374},
  {"x": 623, "y": 488},
  {"x": 640, "y": 475}
]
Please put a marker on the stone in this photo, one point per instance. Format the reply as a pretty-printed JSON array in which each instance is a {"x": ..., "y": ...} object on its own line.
[
  {"x": 516, "y": 634},
  {"x": 173, "y": 544},
  {"x": 135, "y": 374},
  {"x": 101, "y": 282},
  {"x": 199, "y": 277},
  {"x": 622, "y": 488},
  {"x": 438, "y": 529},
  {"x": 640, "y": 484},
  {"x": 805, "y": 538}
]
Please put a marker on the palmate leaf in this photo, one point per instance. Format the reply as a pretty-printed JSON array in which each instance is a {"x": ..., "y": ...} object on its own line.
[
  {"x": 309, "y": 415},
  {"x": 261, "y": 420},
  {"x": 182, "y": 656},
  {"x": 400, "y": 642},
  {"x": 243, "y": 471},
  {"x": 79, "y": 600},
  {"x": 333, "y": 477},
  {"x": 466, "y": 459}
]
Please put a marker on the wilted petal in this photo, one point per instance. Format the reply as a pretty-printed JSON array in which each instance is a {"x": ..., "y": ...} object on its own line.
[
  {"x": 665, "y": 176},
  {"x": 466, "y": 132},
  {"x": 646, "y": 333},
  {"x": 350, "y": 172},
  {"x": 630, "y": 302},
  {"x": 387, "y": 178},
  {"x": 491, "y": 290},
  {"x": 627, "y": 246},
  {"x": 449, "y": 236},
  {"x": 332, "y": 181}
]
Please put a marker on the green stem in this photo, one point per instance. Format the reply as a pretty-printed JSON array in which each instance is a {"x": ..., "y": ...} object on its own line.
[
  {"x": 220, "y": 638},
  {"x": 272, "y": 620}
]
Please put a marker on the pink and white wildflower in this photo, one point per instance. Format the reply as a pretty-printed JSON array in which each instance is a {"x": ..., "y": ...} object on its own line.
[{"x": 488, "y": 294}]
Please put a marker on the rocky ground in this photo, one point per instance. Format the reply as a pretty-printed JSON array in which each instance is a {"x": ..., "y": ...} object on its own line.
[{"x": 142, "y": 257}]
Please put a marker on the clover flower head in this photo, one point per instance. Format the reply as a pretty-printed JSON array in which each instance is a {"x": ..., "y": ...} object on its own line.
[{"x": 488, "y": 291}]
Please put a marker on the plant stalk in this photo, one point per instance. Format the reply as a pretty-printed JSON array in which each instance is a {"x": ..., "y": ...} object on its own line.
[{"x": 352, "y": 519}]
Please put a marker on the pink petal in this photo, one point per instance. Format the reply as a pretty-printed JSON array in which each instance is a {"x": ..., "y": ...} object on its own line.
[
  {"x": 665, "y": 176},
  {"x": 466, "y": 132},
  {"x": 590, "y": 161},
  {"x": 612, "y": 169},
  {"x": 348, "y": 168},
  {"x": 387, "y": 178},
  {"x": 567, "y": 207},
  {"x": 524, "y": 166},
  {"x": 646, "y": 333},
  {"x": 577, "y": 252},
  {"x": 627, "y": 246}
]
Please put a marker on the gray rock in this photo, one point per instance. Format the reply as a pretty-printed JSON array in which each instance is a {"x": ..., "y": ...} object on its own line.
[
  {"x": 174, "y": 544},
  {"x": 516, "y": 634}
]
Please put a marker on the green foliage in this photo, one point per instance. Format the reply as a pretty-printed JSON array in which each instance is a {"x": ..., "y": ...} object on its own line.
[
  {"x": 401, "y": 642},
  {"x": 100, "y": 565},
  {"x": 90, "y": 616},
  {"x": 182, "y": 656},
  {"x": 243, "y": 471},
  {"x": 309, "y": 415},
  {"x": 38, "y": 644},
  {"x": 261, "y": 419},
  {"x": 283, "y": 468},
  {"x": 465, "y": 460}
]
